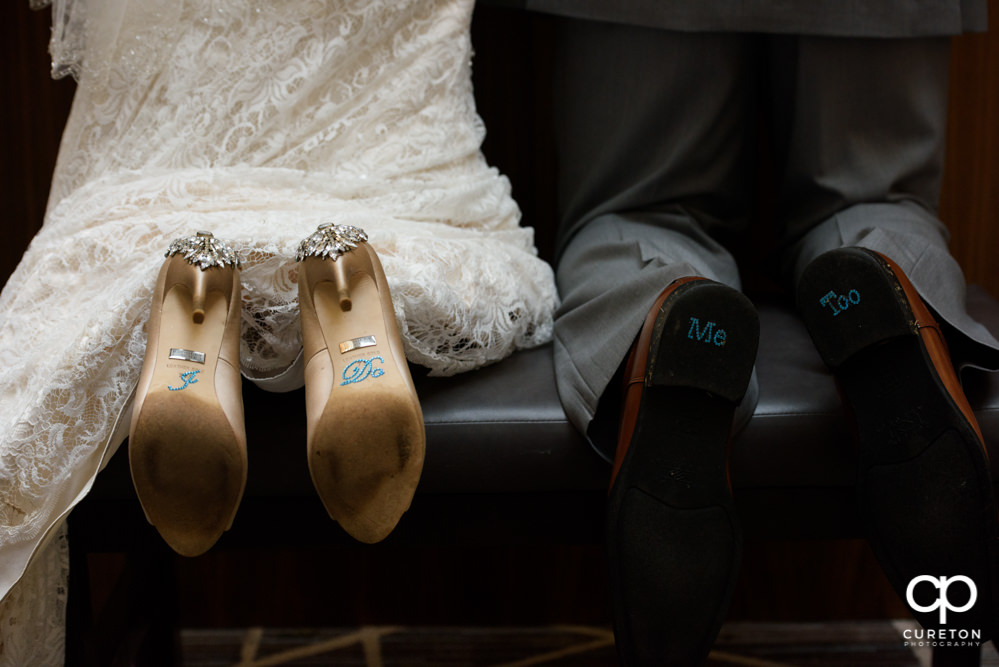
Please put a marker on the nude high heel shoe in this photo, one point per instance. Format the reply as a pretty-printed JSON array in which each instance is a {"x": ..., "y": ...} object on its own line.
[
  {"x": 365, "y": 428},
  {"x": 187, "y": 441}
]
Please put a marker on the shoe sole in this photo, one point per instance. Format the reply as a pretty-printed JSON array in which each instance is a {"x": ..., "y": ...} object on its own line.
[
  {"x": 188, "y": 463},
  {"x": 366, "y": 446},
  {"x": 673, "y": 538},
  {"x": 924, "y": 488}
]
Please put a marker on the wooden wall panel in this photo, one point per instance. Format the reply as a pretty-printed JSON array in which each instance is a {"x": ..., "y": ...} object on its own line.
[{"x": 970, "y": 198}]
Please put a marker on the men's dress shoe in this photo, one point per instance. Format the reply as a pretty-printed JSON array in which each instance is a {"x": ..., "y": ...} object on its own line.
[
  {"x": 673, "y": 543},
  {"x": 187, "y": 442},
  {"x": 924, "y": 487}
]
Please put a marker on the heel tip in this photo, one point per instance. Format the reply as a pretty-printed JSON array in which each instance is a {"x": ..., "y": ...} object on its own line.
[{"x": 198, "y": 317}]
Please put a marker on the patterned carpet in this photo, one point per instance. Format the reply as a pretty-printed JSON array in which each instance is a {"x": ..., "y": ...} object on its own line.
[{"x": 858, "y": 644}]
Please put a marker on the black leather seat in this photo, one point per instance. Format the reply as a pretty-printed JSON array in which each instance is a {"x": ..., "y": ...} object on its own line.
[{"x": 501, "y": 431}]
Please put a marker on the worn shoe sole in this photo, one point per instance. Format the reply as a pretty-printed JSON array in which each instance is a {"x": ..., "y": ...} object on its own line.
[
  {"x": 673, "y": 540},
  {"x": 366, "y": 437},
  {"x": 925, "y": 493},
  {"x": 187, "y": 452}
]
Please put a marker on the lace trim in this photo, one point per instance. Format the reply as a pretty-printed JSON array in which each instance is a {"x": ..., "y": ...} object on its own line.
[{"x": 257, "y": 121}]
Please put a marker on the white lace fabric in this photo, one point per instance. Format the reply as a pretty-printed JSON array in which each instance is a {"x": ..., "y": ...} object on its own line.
[{"x": 256, "y": 121}]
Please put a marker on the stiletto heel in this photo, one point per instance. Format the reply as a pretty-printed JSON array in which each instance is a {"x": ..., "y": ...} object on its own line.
[
  {"x": 366, "y": 438},
  {"x": 198, "y": 295},
  {"x": 187, "y": 441},
  {"x": 342, "y": 282}
]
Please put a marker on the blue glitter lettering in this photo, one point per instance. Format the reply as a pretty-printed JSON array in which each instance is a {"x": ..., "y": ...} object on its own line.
[
  {"x": 360, "y": 370},
  {"x": 189, "y": 378},
  {"x": 705, "y": 336},
  {"x": 695, "y": 328},
  {"x": 832, "y": 300}
]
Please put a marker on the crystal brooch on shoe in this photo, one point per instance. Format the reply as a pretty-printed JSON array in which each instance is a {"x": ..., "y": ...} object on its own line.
[
  {"x": 331, "y": 241},
  {"x": 205, "y": 251}
]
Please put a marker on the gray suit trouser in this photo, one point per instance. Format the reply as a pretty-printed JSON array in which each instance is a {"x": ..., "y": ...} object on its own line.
[{"x": 657, "y": 135}]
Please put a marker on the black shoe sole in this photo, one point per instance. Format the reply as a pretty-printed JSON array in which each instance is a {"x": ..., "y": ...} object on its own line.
[
  {"x": 924, "y": 489},
  {"x": 673, "y": 541}
]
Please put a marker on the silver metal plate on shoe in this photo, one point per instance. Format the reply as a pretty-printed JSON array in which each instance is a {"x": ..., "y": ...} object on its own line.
[
  {"x": 356, "y": 344},
  {"x": 187, "y": 355}
]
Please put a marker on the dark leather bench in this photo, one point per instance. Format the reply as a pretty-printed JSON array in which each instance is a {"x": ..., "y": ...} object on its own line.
[{"x": 501, "y": 430}]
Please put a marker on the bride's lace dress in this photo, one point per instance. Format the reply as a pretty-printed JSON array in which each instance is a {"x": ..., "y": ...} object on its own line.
[{"x": 256, "y": 121}]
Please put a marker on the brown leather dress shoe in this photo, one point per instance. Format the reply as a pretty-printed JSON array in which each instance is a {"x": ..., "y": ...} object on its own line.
[
  {"x": 925, "y": 492},
  {"x": 673, "y": 542}
]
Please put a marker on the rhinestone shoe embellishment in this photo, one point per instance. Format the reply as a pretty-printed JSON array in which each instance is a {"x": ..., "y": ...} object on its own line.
[
  {"x": 205, "y": 251},
  {"x": 331, "y": 241}
]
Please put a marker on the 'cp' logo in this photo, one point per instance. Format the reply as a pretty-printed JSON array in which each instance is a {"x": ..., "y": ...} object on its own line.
[{"x": 942, "y": 603}]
